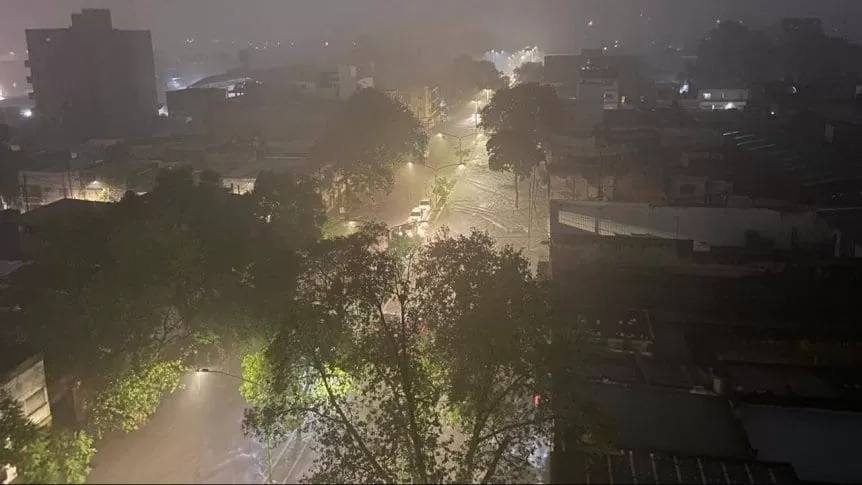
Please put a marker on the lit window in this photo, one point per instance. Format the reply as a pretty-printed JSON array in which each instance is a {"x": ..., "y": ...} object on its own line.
[{"x": 707, "y": 95}]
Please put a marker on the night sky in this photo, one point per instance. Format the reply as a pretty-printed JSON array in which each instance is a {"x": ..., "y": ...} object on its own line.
[{"x": 445, "y": 26}]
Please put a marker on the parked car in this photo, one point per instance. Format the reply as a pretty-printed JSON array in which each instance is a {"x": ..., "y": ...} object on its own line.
[
  {"x": 416, "y": 215},
  {"x": 425, "y": 205}
]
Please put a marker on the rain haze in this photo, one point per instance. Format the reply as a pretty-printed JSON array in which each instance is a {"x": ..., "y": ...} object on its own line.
[{"x": 437, "y": 241}]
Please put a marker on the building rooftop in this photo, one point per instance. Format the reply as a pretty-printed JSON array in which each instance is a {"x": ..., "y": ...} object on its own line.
[
  {"x": 655, "y": 418},
  {"x": 822, "y": 446},
  {"x": 9, "y": 267},
  {"x": 612, "y": 324},
  {"x": 786, "y": 383},
  {"x": 706, "y": 226},
  {"x": 63, "y": 208},
  {"x": 637, "y": 466}
]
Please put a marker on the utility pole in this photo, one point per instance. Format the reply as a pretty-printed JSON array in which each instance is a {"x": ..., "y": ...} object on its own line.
[
  {"x": 530, "y": 208},
  {"x": 26, "y": 193}
]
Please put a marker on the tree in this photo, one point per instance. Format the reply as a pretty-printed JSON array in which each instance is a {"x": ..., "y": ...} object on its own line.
[
  {"x": 42, "y": 455},
  {"x": 369, "y": 138},
  {"x": 441, "y": 189},
  {"x": 131, "y": 398},
  {"x": 514, "y": 151},
  {"x": 417, "y": 369},
  {"x": 521, "y": 120},
  {"x": 530, "y": 72},
  {"x": 127, "y": 299},
  {"x": 467, "y": 75}
]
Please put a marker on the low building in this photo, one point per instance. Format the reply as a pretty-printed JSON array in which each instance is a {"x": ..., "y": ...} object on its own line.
[
  {"x": 722, "y": 98},
  {"x": 823, "y": 446},
  {"x": 97, "y": 182},
  {"x": 659, "y": 435},
  {"x": 328, "y": 82},
  {"x": 24, "y": 380},
  {"x": 707, "y": 227},
  {"x": 22, "y": 370},
  {"x": 191, "y": 104}
]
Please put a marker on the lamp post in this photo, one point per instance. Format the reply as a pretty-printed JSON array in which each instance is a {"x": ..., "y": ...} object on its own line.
[
  {"x": 268, "y": 437},
  {"x": 460, "y": 144}
]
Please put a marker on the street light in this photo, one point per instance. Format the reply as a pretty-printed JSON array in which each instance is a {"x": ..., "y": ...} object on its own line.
[
  {"x": 204, "y": 370},
  {"x": 460, "y": 144}
]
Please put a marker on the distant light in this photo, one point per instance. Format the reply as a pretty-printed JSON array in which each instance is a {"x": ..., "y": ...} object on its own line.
[
  {"x": 590, "y": 23},
  {"x": 772, "y": 113},
  {"x": 11, "y": 53},
  {"x": 729, "y": 106},
  {"x": 684, "y": 88},
  {"x": 163, "y": 111},
  {"x": 26, "y": 113},
  {"x": 326, "y": 44}
]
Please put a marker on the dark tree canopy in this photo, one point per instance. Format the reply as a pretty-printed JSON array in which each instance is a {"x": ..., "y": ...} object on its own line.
[
  {"x": 467, "y": 75},
  {"x": 530, "y": 72},
  {"x": 417, "y": 367},
  {"x": 369, "y": 137},
  {"x": 126, "y": 297},
  {"x": 521, "y": 120}
]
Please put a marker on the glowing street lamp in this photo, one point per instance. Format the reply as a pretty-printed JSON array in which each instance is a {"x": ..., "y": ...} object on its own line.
[
  {"x": 460, "y": 145},
  {"x": 205, "y": 370}
]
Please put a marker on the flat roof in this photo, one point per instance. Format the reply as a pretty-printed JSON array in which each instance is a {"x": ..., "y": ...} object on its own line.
[
  {"x": 643, "y": 466},
  {"x": 667, "y": 420},
  {"x": 780, "y": 380},
  {"x": 616, "y": 324},
  {"x": 822, "y": 446},
  {"x": 9, "y": 267},
  {"x": 62, "y": 208}
]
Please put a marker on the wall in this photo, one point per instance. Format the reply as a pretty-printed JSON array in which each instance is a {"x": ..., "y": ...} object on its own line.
[
  {"x": 707, "y": 226},
  {"x": 26, "y": 384},
  {"x": 688, "y": 188},
  {"x": 711, "y": 99},
  {"x": 591, "y": 248},
  {"x": 42, "y": 188}
]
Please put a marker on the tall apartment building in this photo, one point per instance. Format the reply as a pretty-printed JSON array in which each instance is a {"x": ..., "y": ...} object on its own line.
[{"x": 91, "y": 80}]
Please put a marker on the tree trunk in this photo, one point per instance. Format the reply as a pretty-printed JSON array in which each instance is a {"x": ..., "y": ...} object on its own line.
[{"x": 516, "y": 189}]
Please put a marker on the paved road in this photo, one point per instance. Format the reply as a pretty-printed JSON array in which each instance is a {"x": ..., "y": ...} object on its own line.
[
  {"x": 196, "y": 437},
  {"x": 485, "y": 200},
  {"x": 481, "y": 199}
]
